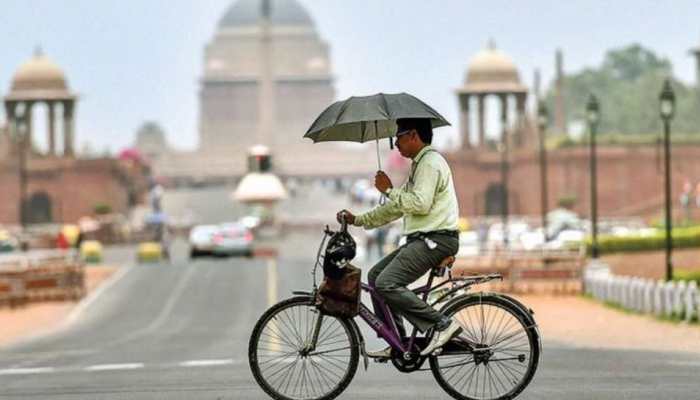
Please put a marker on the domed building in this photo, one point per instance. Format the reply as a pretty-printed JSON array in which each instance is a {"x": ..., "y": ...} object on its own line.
[
  {"x": 53, "y": 185},
  {"x": 267, "y": 76},
  {"x": 40, "y": 80},
  {"x": 491, "y": 72}
]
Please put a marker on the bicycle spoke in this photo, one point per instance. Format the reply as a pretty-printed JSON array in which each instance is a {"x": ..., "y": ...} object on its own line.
[
  {"x": 502, "y": 350},
  {"x": 287, "y": 370}
]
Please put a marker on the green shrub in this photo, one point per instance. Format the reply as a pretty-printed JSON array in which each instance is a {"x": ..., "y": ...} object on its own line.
[
  {"x": 102, "y": 209},
  {"x": 681, "y": 238},
  {"x": 686, "y": 275}
]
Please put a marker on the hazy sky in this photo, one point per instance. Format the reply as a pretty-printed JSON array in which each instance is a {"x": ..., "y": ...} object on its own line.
[{"x": 137, "y": 60}]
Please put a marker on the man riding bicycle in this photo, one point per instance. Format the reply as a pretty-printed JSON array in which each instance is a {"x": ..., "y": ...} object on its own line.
[{"x": 428, "y": 203}]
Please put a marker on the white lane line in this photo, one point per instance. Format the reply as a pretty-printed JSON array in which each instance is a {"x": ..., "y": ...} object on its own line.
[
  {"x": 170, "y": 304},
  {"x": 87, "y": 301},
  {"x": 113, "y": 367},
  {"x": 205, "y": 363},
  {"x": 26, "y": 371},
  {"x": 272, "y": 294},
  {"x": 685, "y": 363},
  {"x": 271, "y": 282}
]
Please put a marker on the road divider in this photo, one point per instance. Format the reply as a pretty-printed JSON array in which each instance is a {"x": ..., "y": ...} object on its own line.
[{"x": 47, "y": 275}]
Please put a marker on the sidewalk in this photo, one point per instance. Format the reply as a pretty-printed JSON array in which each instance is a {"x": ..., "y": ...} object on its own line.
[
  {"x": 35, "y": 318},
  {"x": 581, "y": 322}
]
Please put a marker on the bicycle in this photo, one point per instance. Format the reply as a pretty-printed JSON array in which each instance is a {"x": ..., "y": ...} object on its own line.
[{"x": 297, "y": 352}]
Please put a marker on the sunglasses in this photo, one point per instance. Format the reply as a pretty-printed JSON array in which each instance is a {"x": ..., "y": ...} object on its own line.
[{"x": 406, "y": 132}]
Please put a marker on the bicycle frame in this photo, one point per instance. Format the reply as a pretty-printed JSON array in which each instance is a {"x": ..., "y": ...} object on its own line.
[{"x": 388, "y": 331}]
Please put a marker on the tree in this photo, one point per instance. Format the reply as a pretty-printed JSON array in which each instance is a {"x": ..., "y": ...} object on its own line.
[{"x": 627, "y": 85}]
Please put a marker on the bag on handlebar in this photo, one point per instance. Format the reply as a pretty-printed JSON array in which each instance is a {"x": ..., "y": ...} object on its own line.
[{"x": 339, "y": 293}]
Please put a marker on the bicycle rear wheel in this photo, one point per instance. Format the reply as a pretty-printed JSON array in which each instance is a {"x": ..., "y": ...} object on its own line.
[
  {"x": 285, "y": 367},
  {"x": 496, "y": 355}
]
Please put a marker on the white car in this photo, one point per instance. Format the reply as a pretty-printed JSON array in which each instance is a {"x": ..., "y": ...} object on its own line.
[
  {"x": 233, "y": 239},
  {"x": 202, "y": 240}
]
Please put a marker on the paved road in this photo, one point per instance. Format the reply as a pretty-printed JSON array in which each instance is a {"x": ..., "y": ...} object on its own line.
[{"x": 180, "y": 331}]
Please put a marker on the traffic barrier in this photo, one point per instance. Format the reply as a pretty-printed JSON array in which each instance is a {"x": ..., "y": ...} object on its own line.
[
  {"x": 54, "y": 275},
  {"x": 668, "y": 299},
  {"x": 539, "y": 271}
]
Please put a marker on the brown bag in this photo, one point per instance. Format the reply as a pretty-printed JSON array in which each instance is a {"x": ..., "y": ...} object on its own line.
[{"x": 341, "y": 297}]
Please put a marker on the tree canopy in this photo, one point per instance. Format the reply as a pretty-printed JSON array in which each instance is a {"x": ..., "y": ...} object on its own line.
[{"x": 627, "y": 85}]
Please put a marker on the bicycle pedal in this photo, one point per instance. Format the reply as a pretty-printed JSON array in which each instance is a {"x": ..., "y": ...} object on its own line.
[{"x": 380, "y": 360}]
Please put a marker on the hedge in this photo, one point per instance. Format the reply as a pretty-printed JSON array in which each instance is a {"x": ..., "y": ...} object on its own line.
[{"x": 681, "y": 238}]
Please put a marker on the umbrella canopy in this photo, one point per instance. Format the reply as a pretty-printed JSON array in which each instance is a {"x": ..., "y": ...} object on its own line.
[{"x": 361, "y": 119}]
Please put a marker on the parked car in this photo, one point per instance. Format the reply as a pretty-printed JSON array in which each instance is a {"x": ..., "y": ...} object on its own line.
[
  {"x": 202, "y": 240},
  {"x": 233, "y": 239}
]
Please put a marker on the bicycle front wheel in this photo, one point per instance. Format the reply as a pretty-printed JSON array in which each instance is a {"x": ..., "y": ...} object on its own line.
[
  {"x": 495, "y": 356},
  {"x": 283, "y": 362}
]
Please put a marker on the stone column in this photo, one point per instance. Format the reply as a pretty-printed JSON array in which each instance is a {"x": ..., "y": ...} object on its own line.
[
  {"x": 559, "y": 95},
  {"x": 11, "y": 118},
  {"x": 520, "y": 102},
  {"x": 504, "y": 117},
  {"x": 30, "y": 130},
  {"x": 464, "y": 120},
  {"x": 481, "y": 120},
  {"x": 52, "y": 128},
  {"x": 68, "y": 124}
]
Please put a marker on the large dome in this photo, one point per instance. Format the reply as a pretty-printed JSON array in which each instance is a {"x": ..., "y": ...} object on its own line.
[
  {"x": 39, "y": 73},
  {"x": 248, "y": 12},
  {"x": 492, "y": 70}
]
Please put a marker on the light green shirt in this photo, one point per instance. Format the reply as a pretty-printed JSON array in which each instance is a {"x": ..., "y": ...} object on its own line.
[{"x": 427, "y": 200}]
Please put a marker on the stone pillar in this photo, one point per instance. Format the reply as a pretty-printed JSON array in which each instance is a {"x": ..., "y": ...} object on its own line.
[
  {"x": 559, "y": 95},
  {"x": 52, "y": 128},
  {"x": 464, "y": 120},
  {"x": 266, "y": 83},
  {"x": 28, "y": 120},
  {"x": 520, "y": 103},
  {"x": 481, "y": 120},
  {"x": 696, "y": 53},
  {"x": 68, "y": 108},
  {"x": 11, "y": 118},
  {"x": 504, "y": 117}
]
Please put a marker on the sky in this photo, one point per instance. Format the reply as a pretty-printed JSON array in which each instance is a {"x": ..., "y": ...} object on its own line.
[{"x": 132, "y": 61}]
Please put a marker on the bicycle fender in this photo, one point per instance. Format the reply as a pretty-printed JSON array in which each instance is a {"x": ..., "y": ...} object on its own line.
[{"x": 527, "y": 312}]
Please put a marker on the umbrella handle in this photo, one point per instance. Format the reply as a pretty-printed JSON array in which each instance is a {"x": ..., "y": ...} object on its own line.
[{"x": 382, "y": 198}]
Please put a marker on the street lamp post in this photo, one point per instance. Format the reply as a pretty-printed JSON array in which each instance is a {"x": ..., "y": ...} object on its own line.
[
  {"x": 503, "y": 149},
  {"x": 22, "y": 173},
  {"x": 667, "y": 102},
  {"x": 593, "y": 117},
  {"x": 542, "y": 122}
]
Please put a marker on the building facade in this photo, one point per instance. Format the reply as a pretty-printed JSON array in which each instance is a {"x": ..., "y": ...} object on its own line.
[
  {"x": 630, "y": 178},
  {"x": 267, "y": 76},
  {"x": 52, "y": 185}
]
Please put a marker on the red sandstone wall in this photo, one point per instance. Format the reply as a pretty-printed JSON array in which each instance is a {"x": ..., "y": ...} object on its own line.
[
  {"x": 75, "y": 187},
  {"x": 630, "y": 179}
]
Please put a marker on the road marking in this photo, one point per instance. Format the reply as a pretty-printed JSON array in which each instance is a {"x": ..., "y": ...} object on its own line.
[
  {"x": 174, "y": 296},
  {"x": 685, "y": 363},
  {"x": 87, "y": 301},
  {"x": 271, "y": 282},
  {"x": 205, "y": 363},
  {"x": 26, "y": 371},
  {"x": 113, "y": 367},
  {"x": 272, "y": 295}
]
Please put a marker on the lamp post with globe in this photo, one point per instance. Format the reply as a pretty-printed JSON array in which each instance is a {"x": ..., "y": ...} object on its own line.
[
  {"x": 667, "y": 104},
  {"x": 593, "y": 117}
]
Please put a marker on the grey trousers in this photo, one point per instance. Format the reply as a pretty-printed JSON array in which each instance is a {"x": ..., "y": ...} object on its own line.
[{"x": 403, "y": 266}]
